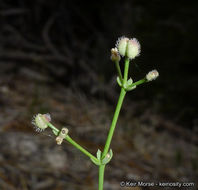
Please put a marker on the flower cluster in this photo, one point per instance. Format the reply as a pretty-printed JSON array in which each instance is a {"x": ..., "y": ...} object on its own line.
[{"x": 128, "y": 47}]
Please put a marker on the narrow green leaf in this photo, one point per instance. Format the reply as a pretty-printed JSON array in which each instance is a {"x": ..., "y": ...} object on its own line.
[
  {"x": 130, "y": 81},
  {"x": 129, "y": 88},
  {"x": 119, "y": 81},
  {"x": 98, "y": 154},
  {"x": 95, "y": 162},
  {"x": 108, "y": 157}
]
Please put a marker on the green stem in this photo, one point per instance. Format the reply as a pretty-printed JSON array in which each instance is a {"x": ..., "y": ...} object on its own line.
[
  {"x": 126, "y": 70},
  {"x": 139, "y": 82},
  {"x": 53, "y": 127},
  {"x": 75, "y": 144},
  {"x": 101, "y": 177},
  {"x": 114, "y": 121},
  {"x": 109, "y": 138},
  {"x": 117, "y": 110},
  {"x": 118, "y": 69},
  {"x": 70, "y": 140}
]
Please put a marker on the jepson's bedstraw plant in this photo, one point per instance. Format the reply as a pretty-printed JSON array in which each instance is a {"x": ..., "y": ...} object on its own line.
[{"x": 128, "y": 49}]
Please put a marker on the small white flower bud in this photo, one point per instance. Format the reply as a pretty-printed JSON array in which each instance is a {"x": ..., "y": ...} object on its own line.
[
  {"x": 152, "y": 75},
  {"x": 128, "y": 47},
  {"x": 121, "y": 45},
  {"x": 115, "y": 55},
  {"x": 40, "y": 121},
  {"x": 133, "y": 48}
]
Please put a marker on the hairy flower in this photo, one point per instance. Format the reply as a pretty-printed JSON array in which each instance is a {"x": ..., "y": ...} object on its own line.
[
  {"x": 121, "y": 45},
  {"x": 133, "y": 48},
  {"x": 40, "y": 121},
  {"x": 128, "y": 47},
  {"x": 152, "y": 75}
]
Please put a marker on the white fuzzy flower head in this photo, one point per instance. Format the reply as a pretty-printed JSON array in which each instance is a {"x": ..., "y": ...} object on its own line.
[
  {"x": 115, "y": 55},
  {"x": 121, "y": 45},
  {"x": 152, "y": 75},
  {"x": 133, "y": 48},
  {"x": 128, "y": 47},
  {"x": 40, "y": 121}
]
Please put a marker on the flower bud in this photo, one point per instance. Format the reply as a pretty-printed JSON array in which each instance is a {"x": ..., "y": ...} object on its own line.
[
  {"x": 115, "y": 55},
  {"x": 121, "y": 45},
  {"x": 152, "y": 75},
  {"x": 40, "y": 121},
  {"x": 133, "y": 48},
  {"x": 128, "y": 47}
]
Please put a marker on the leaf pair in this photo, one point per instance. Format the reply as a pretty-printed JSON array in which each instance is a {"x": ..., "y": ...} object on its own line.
[
  {"x": 128, "y": 86},
  {"x": 102, "y": 161}
]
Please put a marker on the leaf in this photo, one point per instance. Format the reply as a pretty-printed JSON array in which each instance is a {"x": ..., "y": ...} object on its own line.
[
  {"x": 130, "y": 81},
  {"x": 108, "y": 157},
  {"x": 95, "y": 162},
  {"x": 129, "y": 88},
  {"x": 119, "y": 81},
  {"x": 98, "y": 154}
]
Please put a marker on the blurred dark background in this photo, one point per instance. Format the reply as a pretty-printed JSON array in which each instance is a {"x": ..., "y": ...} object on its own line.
[{"x": 55, "y": 58}]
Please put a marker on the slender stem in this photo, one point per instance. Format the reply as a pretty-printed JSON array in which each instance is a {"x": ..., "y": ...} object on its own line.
[
  {"x": 114, "y": 121},
  {"x": 101, "y": 177},
  {"x": 70, "y": 140},
  {"x": 118, "y": 69},
  {"x": 126, "y": 69},
  {"x": 75, "y": 144},
  {"x": 53, "y": 127},
  {"x": 117, "y": 110},
  {"x": 139, "y": 82},
  {"x": 109, "y": 138}
]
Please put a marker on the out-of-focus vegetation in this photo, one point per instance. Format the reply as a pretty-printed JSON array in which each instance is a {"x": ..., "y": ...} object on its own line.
[{"x": 49, "y": 49}]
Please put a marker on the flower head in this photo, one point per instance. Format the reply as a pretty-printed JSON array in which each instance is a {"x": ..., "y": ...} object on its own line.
[
  {"x": 152, "y": 75},
  {"x": 121, "y": 45},
  {"x": 128, "y": 47},
  {"x": 133, "y": 48},
  {"x": 40, "y": 121}
]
